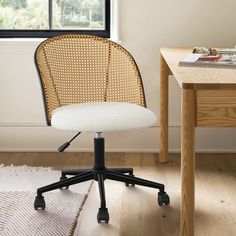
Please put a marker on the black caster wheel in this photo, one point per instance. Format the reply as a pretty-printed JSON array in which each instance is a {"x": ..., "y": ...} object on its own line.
[
  {"x": 103, "y": 215},
  {"x": 39, "y": 203},
  {"x": 63, "y": 178},
  {"x": 163, "y": 199},
  {"x": 127, "y": 184}
]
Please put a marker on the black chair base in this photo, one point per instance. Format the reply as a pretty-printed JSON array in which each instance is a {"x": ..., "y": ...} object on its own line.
[{"x": 100, "y": 173}]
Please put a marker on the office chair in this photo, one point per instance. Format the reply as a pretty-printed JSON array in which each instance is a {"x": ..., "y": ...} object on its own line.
[{"x": 91, "y": 84}]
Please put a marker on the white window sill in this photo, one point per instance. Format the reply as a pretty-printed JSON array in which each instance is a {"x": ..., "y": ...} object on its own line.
[
  {"x": 20, "y": 41},
  {"x": 31, "y": 41}
]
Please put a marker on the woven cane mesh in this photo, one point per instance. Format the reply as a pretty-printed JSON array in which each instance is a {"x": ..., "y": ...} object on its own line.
[{"x": 85, "y": 68}]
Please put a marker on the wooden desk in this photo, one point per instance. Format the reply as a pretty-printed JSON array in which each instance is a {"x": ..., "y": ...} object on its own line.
[{"x": 208, "y": 99}]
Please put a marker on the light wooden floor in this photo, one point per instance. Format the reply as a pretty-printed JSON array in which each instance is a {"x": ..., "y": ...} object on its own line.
[{"x": 134, "y": 211}]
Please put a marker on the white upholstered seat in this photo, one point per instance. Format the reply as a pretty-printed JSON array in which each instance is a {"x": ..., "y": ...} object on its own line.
[{"x": 102, "y": 116}]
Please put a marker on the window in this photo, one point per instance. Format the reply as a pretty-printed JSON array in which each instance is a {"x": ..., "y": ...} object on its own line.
[{"x": 46, "y": 18}]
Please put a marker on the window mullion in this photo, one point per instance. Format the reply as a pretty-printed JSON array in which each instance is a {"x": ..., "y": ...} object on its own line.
[{"x": 50, "y": 14}]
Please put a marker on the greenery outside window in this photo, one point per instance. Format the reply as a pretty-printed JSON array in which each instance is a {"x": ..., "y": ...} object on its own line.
[{"x": 46, "y": 18}]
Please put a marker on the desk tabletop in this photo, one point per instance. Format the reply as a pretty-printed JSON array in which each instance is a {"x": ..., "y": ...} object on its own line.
[{"x": 196, "y": 77}]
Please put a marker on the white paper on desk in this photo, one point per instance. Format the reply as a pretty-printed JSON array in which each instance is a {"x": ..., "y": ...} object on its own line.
[{"x": 193, "y": 57}]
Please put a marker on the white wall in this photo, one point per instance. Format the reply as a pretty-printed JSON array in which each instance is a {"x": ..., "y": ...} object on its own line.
[{"x": 144, "y": 27}]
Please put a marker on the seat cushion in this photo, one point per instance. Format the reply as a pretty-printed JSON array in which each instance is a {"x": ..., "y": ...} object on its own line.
[{"x": 102, "y": 116}]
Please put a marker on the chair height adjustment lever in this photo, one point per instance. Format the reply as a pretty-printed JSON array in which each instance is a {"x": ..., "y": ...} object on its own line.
[{"x": 64, "y": 146}]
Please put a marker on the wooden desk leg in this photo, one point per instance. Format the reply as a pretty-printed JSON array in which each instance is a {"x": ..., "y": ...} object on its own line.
[
  {"x": 187, "y": 162},
  {"x": 163, "y": 157}
]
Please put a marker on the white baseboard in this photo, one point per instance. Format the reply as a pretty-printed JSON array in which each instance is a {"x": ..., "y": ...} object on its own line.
[
  {"x": 47, "y": 139},
  {"x": 14, "y": 149}
]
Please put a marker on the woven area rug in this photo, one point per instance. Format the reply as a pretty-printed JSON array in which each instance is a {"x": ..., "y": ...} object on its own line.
[{"x": 17, "y": 192}]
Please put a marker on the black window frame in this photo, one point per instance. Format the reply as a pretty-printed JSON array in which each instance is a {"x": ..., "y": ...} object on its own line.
[{"x": 105, "y": 33}]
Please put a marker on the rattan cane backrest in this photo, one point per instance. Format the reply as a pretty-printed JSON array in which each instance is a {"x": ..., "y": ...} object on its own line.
[{"x": 84, "y": 68}]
